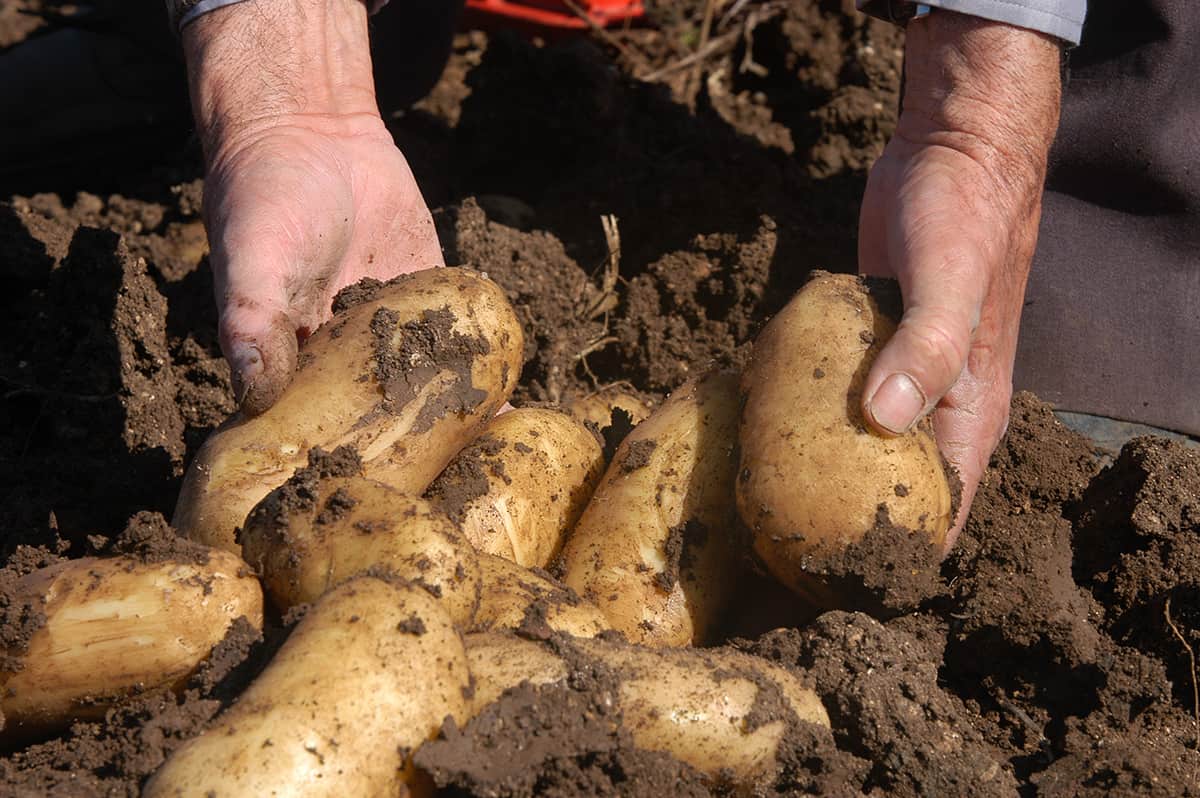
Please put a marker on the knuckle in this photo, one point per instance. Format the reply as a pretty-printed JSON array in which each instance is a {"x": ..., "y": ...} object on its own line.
[{"x": 941, "y": 351}]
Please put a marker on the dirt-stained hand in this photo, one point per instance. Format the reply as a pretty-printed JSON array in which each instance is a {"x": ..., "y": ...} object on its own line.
[
  {"x": 305, "y": 191},
  {"x": 951, "y": 210}
]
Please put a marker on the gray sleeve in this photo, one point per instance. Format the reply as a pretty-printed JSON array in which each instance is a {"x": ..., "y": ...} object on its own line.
[{"x": 1062, "y": 19}]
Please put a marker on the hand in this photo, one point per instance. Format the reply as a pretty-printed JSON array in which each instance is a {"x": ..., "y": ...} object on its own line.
[
  {"x": 951, "y": 210},
  {"x": 305, "y": 191}
]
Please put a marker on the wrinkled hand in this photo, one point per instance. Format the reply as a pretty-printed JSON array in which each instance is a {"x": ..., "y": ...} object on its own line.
[
  {"x": 295, "y": 214},
  {"x": 305, "y": 191},
  {"x": 951, "y": 211}
]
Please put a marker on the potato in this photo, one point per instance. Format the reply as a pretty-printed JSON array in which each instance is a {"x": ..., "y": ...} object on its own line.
[
  {"x": 406, "y": 378},
  {"x": 697, "y": 705},
  {"x": 326, "y": 525},
  {"x": 520, "y": 487},
  {"x": 597, "y": 408},
  {"x": 500, "y": 660},
  {"x": 811, "y": 473},
  {"x": 655, "y": 548},
  {"x": 115, "y": 627},
  {"x": 367, "y": 676},
  {"x": 513, "y": 597}
]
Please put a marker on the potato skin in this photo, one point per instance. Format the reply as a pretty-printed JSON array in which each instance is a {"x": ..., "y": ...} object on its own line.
[
  {"x": 655, "y": 548},
  {"x": 690, "y": 703},
  {"x": 811, "y": 473},
  {"x": 117, "y": 626},
  {"x": 407, "y": 378},
  {"x": 512, "y": 597},
  {"x": 597, "y": 408},
  {"x": 316, "y": 532},
  {"x": 367, "y": 676},
  {"x": 500, "y": 660},
  {"x": 694, "y": 705},
  {"x": 539, "y": 467}
]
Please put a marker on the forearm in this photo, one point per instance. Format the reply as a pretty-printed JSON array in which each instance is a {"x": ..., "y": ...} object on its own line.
[
  {"x": 989, "y": 90},
  {"x": 256, "y": 64}
]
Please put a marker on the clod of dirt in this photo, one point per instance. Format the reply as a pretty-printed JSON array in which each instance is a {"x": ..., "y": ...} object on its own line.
[
  {"x": 564, "y": 739},
  {"x": 409, "y": 355},
  {"x": 889, "y": 571},
  {"x": 299, "y": 494},
  {"x": 1017, "y": 600},
  {"x": 694, "y": 308},
  {"x": 90, "y": 369},
  {"x": 138, "y": 327},
  {"x": 815, "y": 80},
  {"x": 881, "y": 690},
  {"x": 1013, "y": 591},
  {"x": 1041, "y": 464},
  {"x": 465, "y": 479},
  {"x": 359, "y": 293},
  {"x": 637, "y": 455},
  {"x": 149, "y": 538},
  {"x": 560, "y": 309},
  {"x": 1137, "y": 534},
  {"x": 21, "y": 616}
]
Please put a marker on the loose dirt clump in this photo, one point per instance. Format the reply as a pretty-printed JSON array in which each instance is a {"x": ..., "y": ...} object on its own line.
[
  {"x": 555, "y": 740},
  {"x": 149, "y": 538},
  {"x": 561, "y": 310},
  {"x": 881, "y": 689}
]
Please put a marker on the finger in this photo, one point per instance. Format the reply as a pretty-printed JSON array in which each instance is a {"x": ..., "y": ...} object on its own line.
[
  {"x": 970, "y": 422},
  {"x": 256, "y": 326},
  {"x": 943, "y": 285},
  {"x": 872, "y": 225},
  {"x": 260, "y": 345}
]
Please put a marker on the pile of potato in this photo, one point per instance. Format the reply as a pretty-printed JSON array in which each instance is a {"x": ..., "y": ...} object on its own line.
[{"x": 384, "y": 490}]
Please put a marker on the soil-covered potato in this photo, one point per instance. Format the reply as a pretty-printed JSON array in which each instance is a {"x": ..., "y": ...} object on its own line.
[
  {"x": 812, "y": 474},
  {"x": 514, "y": 597},
  {"x": 327, "y": 524},
  {"x": 655, "y": 546},
  {"x": 597, "y": 408},
  {"x": 517, "y": 490},
  {"x": 704, "y": 707},
  {"x": 113, "y": 627},
  {"x": 368, "y": 675},
  {"x": 406, "y": 376}
]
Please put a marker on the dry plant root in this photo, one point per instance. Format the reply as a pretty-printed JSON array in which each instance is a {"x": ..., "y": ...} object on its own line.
[
  {"x": 655, "y": 548},
  {"x": 694, "y": 705},
  {"x": 118, "y": 626},
  {"x": 406, "y": 376},
  {"x": 598, "y": 408},
  {"x": 517, "y": 490},
  {"x": 368, "y": 675},
  {"x": 812, "y": 475}
]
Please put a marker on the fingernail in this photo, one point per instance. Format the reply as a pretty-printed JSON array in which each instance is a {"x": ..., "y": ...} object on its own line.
[
  {"x": 245, "y": 361},
  {"x": 897, "y": 404}
]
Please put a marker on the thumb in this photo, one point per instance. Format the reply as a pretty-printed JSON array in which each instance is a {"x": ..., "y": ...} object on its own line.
[
  {"x": 929, "y": 350},
  {"x": 259, "y": 341}
]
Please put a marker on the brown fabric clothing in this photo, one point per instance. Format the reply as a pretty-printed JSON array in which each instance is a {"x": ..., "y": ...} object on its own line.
[{"x": 1111, "y": 324}]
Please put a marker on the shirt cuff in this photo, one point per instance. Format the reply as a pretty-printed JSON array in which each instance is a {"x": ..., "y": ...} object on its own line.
[
  {"x": 184, "y": 11},
  {"x": 1062, "y": 19}
]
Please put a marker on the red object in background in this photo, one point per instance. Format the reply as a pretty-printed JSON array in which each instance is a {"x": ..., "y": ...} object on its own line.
[{"x": 550, "y": 16}]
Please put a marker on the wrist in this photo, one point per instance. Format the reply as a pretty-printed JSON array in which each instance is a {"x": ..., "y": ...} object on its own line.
[
  {"x": 265, "y": 63},
  {"x": 987, "y": 89}
]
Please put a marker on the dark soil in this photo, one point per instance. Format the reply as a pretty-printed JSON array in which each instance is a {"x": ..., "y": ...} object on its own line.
[{"x": 1050, "y": 654}]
